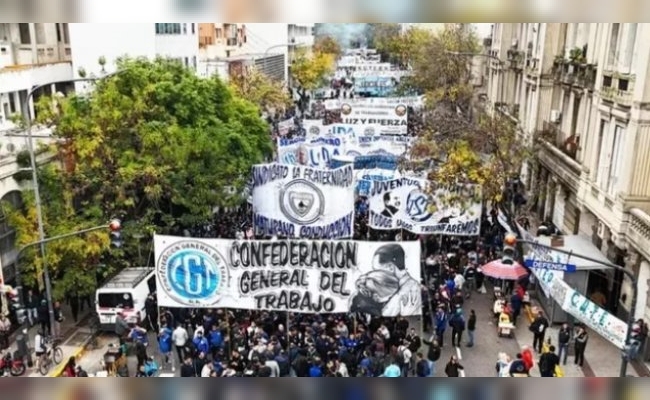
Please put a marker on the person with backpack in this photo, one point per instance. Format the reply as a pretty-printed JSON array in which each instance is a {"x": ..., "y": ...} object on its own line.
[
  {"x": 422, "y": 367},
  {"x": 548, "y": 362},
  {"x": 404, "y": 356}
]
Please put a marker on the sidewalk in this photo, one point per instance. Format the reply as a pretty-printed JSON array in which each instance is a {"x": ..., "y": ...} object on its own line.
[
  {"x": 74, "y": 337},
  {"x": 602, "y": 358}
]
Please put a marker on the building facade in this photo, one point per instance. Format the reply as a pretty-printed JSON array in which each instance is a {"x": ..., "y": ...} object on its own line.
[
  {"x": 108, "y": 42},
  {"x": 580, "y": 90}
]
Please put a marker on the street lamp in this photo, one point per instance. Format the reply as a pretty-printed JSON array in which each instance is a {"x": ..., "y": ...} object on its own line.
[
  {"x": 501, "y": 63},
  {"x": 37, "y": 194},
  {"x": 511, "y": 238}
]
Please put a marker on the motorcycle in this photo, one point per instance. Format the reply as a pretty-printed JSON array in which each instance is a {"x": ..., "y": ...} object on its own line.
[{"x": 15, "y": 366}]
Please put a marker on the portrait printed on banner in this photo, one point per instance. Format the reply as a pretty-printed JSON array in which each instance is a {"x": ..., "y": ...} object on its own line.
[
  {"x": 388, "y": 289},
  {"x": 391, "y": 205}
]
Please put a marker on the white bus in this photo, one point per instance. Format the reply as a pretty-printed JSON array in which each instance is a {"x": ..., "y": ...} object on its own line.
[{"x": 126, "y": 292}]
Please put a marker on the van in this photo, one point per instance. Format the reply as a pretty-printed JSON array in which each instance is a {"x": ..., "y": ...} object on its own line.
[{"x": 126, "y": 292}]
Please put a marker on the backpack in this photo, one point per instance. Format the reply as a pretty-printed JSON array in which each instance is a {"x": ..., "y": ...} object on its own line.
[
  {"x": 422, "y": 368},
  {"x": 400, "y": 355}
]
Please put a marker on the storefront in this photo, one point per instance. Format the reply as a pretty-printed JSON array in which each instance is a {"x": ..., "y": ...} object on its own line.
[{"x": 578, "y": 280}]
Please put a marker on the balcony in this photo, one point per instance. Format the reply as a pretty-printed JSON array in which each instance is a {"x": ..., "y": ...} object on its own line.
[
  {"x": 618, "y": 96},
  {"x": 638, "y": 232},
  {"x": 516, "y": 59},
  {"x": 574, "y": 74},
  {"x": 232, "y": 42},
  {"x": 559, "y": 155}
]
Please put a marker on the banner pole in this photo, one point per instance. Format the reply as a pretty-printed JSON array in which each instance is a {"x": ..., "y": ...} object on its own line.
[{"x": 286, "y": 328}]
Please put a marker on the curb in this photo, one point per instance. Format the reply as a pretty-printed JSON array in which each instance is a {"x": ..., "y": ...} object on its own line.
[
  {"x": 77, "y": 353},
  {"x": 530, "y": 313}
]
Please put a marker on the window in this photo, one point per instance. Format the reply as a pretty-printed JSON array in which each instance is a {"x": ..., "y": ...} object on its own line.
[
  {"x": 115, "y": 300},
  {"x": 66, "y": 33},
  {"x": 186, "y": 61},
  {"x": 194, "y": 62},
  {"x": 615, "y": 161},
  {"x": 630, "y": 44},
  {"x": 184, "y": 29},
  {"x": 193, "y": 29},
  {"x": 58, "y": 32},
  {"x": 219, "y": 33},
  {"x": 12, "y": 103},
  {"x": 613, "y": 45},
  {"x": 39, "y": 29},
  {"x": 169, "y": 29},
  {"x": 600, "y": 159},
  {"x": 25, "y": 35}
]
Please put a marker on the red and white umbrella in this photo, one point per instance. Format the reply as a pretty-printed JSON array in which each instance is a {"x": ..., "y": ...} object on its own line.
[{"x": 509, "y": 272}]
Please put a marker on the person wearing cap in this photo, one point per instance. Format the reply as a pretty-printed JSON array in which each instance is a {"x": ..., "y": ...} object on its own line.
[{"x": 408, "y": 299}]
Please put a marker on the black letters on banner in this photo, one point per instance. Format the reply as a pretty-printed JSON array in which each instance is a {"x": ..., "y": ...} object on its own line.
[
  {"x": 276, "y": 274},
  {"x": 334, "y": 282}
]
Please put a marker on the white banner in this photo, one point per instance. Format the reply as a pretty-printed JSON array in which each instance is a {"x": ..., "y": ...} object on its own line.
[
  {"x": 413, "y": 205},
  {"x": 376, "y": 278},
  {"x": 316, "y": 128},
  {"x": 376, "y": 102},
  {"x": 314, "y": 152},
  {"x": 393, "y": 121},
  {"x": 298, "y": 201},
  {"x": 285, "y": 126}
]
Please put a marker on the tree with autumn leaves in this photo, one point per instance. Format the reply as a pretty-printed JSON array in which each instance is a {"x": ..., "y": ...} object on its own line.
[
  {"x": 456, "y": 144},
  {"x": 154, "y": 145},
  {"x": 310, "y": 71}
]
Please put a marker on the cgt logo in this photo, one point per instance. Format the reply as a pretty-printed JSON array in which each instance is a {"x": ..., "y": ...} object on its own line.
[{"x": 193, "y": 273}]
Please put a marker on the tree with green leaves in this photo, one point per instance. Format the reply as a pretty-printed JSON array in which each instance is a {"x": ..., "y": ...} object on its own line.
[{"x": 154, "y": 145}]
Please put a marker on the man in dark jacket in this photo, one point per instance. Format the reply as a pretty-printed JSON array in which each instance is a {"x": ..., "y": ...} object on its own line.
[
  {"x": 538, "y": 328},
  {"x": 301, "y": 364},
  {"x": 434, "y": 352},
  {"x": 548, "y": 362},
  {"x": 471, "y": 327},
  {"x": 187, "y": 369},
  {"x": 564, "y": 336}
]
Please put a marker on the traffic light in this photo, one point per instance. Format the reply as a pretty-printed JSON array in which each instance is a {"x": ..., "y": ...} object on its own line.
[
  {"x": 115, "y": 227},
  {"x": 508, "y": 253}
]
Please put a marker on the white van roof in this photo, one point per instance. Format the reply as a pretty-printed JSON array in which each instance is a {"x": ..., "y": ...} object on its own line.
[{"x": 128, "y": 278}]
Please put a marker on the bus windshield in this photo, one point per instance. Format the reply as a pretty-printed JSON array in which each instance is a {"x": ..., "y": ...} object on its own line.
[{"x": 114, "y": 300}]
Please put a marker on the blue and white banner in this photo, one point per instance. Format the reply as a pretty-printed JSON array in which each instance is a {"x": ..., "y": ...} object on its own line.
[
  {"x": 315, "y": 128},
  {"x": 303, "y": 202},
  {"x": 311, "y": 152},
  {"x": 421, "y": 207},
  {"x": 381, "y": 161},
  {"x": 365, "y": 177}
]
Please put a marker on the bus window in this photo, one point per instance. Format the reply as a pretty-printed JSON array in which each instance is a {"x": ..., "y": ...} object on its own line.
[{"x": 114, "y": 300}]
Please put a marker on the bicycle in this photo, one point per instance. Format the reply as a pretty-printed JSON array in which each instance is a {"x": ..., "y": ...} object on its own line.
[{"x": 53, "y": 356}]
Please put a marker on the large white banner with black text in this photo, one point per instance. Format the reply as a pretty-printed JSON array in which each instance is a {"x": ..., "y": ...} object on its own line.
[
  {"x": 392, "y": 121},
  {"x": 304, "y": 276},
  {"x": 418, "y": 206},
  {"x": 292, "y": 201}
]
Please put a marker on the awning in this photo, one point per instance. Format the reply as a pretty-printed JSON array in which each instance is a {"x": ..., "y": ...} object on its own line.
[{"x": 580, "y": 245}]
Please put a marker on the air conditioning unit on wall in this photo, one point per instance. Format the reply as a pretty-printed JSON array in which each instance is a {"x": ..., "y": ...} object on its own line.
[
  {"x": 556, "y": 116},
  {"x": 601, "y": 230}
]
